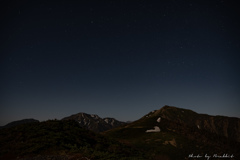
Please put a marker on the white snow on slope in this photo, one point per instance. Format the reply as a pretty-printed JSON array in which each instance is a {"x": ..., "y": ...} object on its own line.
[
  {"x": 112, "y": 122},
  {"x": 156, "y": 129},
  {"x": 106, "y": 120}
]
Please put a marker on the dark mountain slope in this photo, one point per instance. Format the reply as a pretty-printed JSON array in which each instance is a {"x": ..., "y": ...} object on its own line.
[
  {"x": 94, "y": 122},
  {"x": 220, "y": 125},
  {"x": 174, "y": 134}
]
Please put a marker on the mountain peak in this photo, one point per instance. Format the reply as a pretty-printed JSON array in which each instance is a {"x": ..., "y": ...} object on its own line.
[
  {"x": 214, "y": 124},
  {"x": 170, "y": 112},
  {"x": 228, "y": 127},
  {"x": 167, "y": 108},
  {"x": 94, "y": 122}
]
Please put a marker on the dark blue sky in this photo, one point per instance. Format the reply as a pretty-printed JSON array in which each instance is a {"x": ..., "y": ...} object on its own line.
[{"x": 121, "y": 59}]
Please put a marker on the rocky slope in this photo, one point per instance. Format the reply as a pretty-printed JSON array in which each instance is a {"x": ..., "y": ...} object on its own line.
[{"x": 94, "y": 122}]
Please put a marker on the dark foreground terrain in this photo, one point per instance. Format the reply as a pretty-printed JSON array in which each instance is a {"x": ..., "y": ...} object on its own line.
[
  {"x": 60, "y": 140},
  {"x": 169, "y": 133}
]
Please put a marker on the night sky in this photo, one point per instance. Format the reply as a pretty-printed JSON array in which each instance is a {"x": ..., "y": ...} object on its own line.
[{"x": 118, "y": 59}]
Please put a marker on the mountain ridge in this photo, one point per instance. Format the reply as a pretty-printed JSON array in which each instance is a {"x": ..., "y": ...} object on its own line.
[
  {"x": 19, "y": 122},
  {"x": 221, "y": 125},
  {"x": 178, "y": 132},
  {"x": 93, "y": 122}
]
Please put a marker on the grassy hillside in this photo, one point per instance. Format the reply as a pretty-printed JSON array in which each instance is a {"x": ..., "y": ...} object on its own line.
[{"x": 64, "y": 138}]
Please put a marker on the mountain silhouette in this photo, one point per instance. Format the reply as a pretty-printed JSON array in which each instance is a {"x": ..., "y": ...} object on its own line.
[
  {"x": 169, "y": 133},
  {"x": 93, "y": 122}
]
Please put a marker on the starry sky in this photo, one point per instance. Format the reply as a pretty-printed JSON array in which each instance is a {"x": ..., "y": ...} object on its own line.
[{"x": 118, "y": 59}]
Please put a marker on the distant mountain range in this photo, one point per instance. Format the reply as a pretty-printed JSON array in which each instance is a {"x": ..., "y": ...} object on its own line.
[
  {"x": 19, "y": 122},
  {"x": 88, "y": 121},
  {"x": 169, "y": 133},
  {"x": 94, "y": 123}
]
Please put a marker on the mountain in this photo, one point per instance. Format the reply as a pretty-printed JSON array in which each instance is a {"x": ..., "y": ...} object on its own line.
[
  {"x": 169, "y": 133},
  {"x": 228, "y": 127},
  {"x": 175, "y": 133},
  {"x": 19, "y": 122},
  {"x": 94, "y": 122},
  {"x": 60, "y": 140}
]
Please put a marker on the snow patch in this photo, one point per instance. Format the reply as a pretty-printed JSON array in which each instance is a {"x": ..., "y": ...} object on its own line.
[
  {"x": 159, "y": 119},
  {"x": 112, "y": 122},
  {"x": 106, "y": 120},
  {"x": 156, "y": 129},
  {"x": 84, "y": 121}
]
